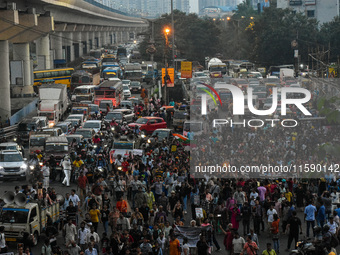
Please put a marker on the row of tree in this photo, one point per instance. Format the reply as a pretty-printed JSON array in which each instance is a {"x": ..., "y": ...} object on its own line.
[{"x": 264, "y": 38}]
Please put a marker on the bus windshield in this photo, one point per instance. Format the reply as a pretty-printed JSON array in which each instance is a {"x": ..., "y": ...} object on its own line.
[
  {"x": 56, "y": 147},
  {"x": 37, "y": 141}
]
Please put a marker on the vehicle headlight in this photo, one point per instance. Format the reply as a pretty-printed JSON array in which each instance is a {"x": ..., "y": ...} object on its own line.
[
  {"x": 113, "y": 129},
  {"x": 297, "y": 244},
  {"x": 41, "y": 163},
  {"x": 149, "y": 141},
  {"x": 23, "y": 167},
  {"x": 119, "y": 168},
  {"x": 143, "y": 136},
  {"x": 1, "y": 168},
  {"x": 32, "y": 167},
  {"x": 95, "y": 146},
  {"x": 15, "y": 139}
]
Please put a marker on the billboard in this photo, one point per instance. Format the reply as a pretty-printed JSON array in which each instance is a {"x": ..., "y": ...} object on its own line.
[
  {"x": 186, "y": 69},
  {"x": 170, "y": 77}
]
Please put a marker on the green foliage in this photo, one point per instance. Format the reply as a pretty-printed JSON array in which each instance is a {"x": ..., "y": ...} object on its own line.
[
  {"x": 329, "y": 109},
  {"x": 195, "y": 38}
]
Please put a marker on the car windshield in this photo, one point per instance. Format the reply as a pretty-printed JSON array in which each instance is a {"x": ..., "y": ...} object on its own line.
[
  {"x": 56, "y": 147},
  {"x": 161, "y": 134},
  {"x": 225, "y": 95},
  {"x": 84, "y": 133},
  {"x": 126, "y": 88},
  {"x": 37, "y": 141},
  {"x": 180, "y": 115},
  {"x": 200, "y": 74},
  {"x": 13, "y": 215},
  {"x": 142, "y": 121},
  {"x": 114, "y": 115},
  {"x": 11, "y": 157},
  {"x": 259, "y": 89},
  {"x": 63, "y": 128},
  {"x": 123, "y": 146},
  {"x": 79, "y": 91},
  {"x": 91, "y": 125},
  {"x": 126, "y": 82},
  {"x": 49, "y": 115},
  {"x": 135, "y": 84},
  {"x": 78, "y": 117},
  {"x": 104, "y": 104},
  {"x": 273, "y": 80},
  {"x": 8, "y": 147}
]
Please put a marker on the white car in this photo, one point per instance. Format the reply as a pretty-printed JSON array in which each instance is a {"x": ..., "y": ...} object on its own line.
[
  {"x": 126, "y": 82},
  {"x": 12, "y": 165},
  {"x": 96, "y": 125},
  {"x": 126, "y": 91}
]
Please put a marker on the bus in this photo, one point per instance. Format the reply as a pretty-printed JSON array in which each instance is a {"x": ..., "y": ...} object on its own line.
[
  {"x": 121, "y": 52},
  {"x": 111, "y": 89},
  {"x": 58, "y": 75},
  {"x": 80, "y": 77},
  {"x": 111, "y": 72}
]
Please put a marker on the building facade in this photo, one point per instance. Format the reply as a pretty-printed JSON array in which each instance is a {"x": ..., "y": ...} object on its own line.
[{"x": 322, "y": 10}]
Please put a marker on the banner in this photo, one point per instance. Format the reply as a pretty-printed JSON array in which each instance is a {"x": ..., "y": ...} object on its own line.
[
  {"x": 192, "y": 233},
  {"x": 170, "y": 81},
  {"x": 186, "y": 69}
]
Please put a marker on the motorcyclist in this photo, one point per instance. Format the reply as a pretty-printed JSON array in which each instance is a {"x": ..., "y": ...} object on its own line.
[
  {"x": 101, "y": 162},
  {"x": 53, "y": 165},
  {"x": 96, "y": 140},
  {"x": 34, "y": 161}
]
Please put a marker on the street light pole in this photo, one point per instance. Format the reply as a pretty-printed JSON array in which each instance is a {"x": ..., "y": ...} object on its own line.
[
  {"x": 173, "y": 33},
  {"x": 166, "y": 33}
]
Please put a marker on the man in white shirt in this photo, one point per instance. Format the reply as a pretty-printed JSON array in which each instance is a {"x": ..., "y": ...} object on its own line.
[
  {"x": 3, "y": 246},
  {"x": 95, "y": 236},
  {"x": 46, "y": 173},
  {"x": 270, "y": 214},
  {"x": 70, "y": 232},
  {"x": 253, "y": 196},
  {"x": 82, "y": 236},
  {"x": 333, "y": 226},
  {"x": 238, "y": 243},
  {"x": 75, "y": 198}
]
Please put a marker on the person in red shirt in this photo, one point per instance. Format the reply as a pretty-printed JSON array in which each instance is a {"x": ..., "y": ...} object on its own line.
[
  {"x": 125, "y": 165},
  {"x": 228, "y": 238},
  {"x": 122, "y": 205},
  {"x": 96, "y": 139},
  {"x": 82, "y": 184}
]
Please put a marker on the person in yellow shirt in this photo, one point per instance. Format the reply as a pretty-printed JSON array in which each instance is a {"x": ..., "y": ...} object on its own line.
[
  {"x": 95, "y": 217},
  {"x": 288, "y": 196},
  {"x": 150, "y": 198},
  {"x": 78, "y": 162}
]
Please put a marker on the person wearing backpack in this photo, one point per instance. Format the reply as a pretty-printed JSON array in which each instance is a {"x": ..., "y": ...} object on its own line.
[{"x": 250, "y": 247}]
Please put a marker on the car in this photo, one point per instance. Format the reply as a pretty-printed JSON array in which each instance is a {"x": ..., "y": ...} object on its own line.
[
  {"x": 126, "y": 82},
  {"x": 12, "y": 146},
  {"x": 135, "y": 87},
  {"x": 94, "y": 109},
  {"x": 70, "y": 138},
  {"x": 80, "y": 117},
  {"x": 57, "y": 131},
  {"x": 149, "y": 124},
  {"x": 103, "y": 105},
  {"x": 126, "y": 91},
  {"x": 200, "y": 74},
  {"x": 178, "y": 119},
  {"x": 162, "y": 134},
  {"x": 12, "y": 165},
  {"x": 118, "y": 115},
  {"x": 96, "y": 125},
  {"x": 74, "y": 122},
  {"x": 126, "y": 104},
  {"x": 87, "y": 133},
  {"x": 65, "y": 126}
]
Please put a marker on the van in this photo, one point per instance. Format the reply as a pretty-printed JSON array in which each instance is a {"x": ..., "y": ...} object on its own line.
[
  {"x": 80, "y": 117},
  {"x": 84, "y": 92},
  {"x": 66, "y": 127},
  {"x": 58, "y": 146},
  {"x": 192, "y": 126},
  {"x": 57, "y": 131},
  {"x": 43, "y": 121}
]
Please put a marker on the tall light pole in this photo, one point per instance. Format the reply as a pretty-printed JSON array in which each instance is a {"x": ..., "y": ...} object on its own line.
[
  {"x": 166, "y": 33},
  {"x": 173, "y": 33}
]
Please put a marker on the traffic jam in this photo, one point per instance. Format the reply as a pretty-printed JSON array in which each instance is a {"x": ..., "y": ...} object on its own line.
[{"x": 105, "y": 166}]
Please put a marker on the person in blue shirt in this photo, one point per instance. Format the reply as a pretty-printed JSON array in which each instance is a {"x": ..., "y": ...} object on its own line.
[
  {"x": 338, "y": 210},
  {"x": 172, "y": 102},
  {"x": 321, "y": 215},
  {"x": 310, "y": 212}
]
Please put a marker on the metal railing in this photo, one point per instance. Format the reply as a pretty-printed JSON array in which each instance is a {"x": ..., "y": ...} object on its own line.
[{"x": 9, "y": 132}]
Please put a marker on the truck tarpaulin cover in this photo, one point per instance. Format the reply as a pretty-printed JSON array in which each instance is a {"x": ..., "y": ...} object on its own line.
[{"x": 192, "y": 233}]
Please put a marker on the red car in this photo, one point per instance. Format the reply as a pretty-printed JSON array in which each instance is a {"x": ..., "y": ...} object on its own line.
[{"x": 149, "y": 124}]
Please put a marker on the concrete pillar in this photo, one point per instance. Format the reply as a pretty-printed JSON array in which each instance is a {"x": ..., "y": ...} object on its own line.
[
  {"x": 78, "y": 45},
  {"x": 21, "y": 51},
  {"x": 5, "y": 91},
  {"x": 43, "y": 51},
  {"x": 68, "y": 44},
  {"x": 109, "y": 38},
  {"x": 104, "y": 38},
  {"x": 85, "y": 42},
  {"x": 57, "y": 45},
  {"x": 92, "y": 40}
]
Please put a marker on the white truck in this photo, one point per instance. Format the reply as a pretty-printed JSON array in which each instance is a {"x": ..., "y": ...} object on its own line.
[
  {"x": 20, "y": 216},
  {"x": 286, "y": 72},
  {"x": 216, "y": 68},
  {"x": 53, "y": 102}
]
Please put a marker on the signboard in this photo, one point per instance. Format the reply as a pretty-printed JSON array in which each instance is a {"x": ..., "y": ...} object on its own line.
[
  {"x": 296, "y": 53},
  {"x": 186, "y": 69},
  {"x": 170, "y": 77},
  {"x": 199, "y": 213}
]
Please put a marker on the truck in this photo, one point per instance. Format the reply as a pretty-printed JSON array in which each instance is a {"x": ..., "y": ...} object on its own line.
[
  {"x": 109, "y": 90},
  {"x": 217, "y": 68},
  {"x": 53, "y": 102},
  {"x": 286, "y": 72},
  {"x": 21, "y": 217},
  {"x": 149, "y": 71},
  {"x": 133, "y": 72}
]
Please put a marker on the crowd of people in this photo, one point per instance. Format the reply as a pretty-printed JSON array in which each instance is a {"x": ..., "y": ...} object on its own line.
[{"x": 139, "y": 204}]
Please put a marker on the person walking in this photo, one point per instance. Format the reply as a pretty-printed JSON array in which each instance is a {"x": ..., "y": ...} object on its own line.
[
  {"x": 250, "y": 247},
  {"x": 294, "y": 225},
  {"x": 46, "y": 173},
  {"x": 67, "y": 167},
  {"x": 3, "y": 245},
  {"x": 269, "y": 250},
  {"x": 310, "y": 212},
  {"x": 275, "y": 233}
]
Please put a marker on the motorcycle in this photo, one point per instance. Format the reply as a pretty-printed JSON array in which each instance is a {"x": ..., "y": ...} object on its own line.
[{"x": 306, "y": 247}]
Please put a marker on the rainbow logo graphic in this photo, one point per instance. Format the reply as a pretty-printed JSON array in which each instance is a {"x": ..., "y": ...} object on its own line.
[{"x": 209, "y": 93}]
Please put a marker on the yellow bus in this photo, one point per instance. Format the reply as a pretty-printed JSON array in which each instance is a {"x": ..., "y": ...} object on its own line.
[{"x": 58, "y": 75}]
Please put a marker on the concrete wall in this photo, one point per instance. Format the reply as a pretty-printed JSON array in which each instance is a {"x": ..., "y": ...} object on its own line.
[{"x": 19, "y": 115}]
